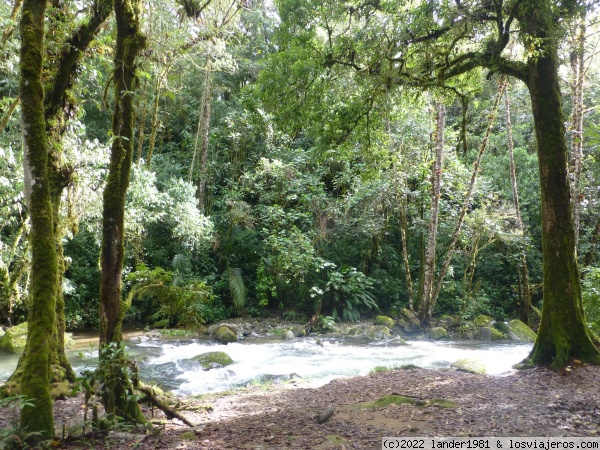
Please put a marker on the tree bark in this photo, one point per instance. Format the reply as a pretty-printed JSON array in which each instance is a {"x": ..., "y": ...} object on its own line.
[
  {"x": 119, "y": 400},
  {"x": 35, "y": 381},
  {"x": 425, "y": 305},
  {"x": 563, "y": 333}
]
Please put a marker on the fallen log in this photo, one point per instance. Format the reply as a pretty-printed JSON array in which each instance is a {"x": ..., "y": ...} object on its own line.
[{"x": 154, "y": 399}]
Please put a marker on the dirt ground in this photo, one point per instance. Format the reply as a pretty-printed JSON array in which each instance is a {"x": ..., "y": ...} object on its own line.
[{"x": 534, "y": 402}]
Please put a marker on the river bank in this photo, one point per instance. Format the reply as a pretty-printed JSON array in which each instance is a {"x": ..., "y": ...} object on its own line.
[{"x": 414, "y": 402}]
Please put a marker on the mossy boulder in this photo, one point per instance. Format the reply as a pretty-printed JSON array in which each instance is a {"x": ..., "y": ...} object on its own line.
[
  {"x": 516, "y": 329},
  {"x": 483, "y": 320},
  {"x": 437, "y": 333},
  {"x": 212, "y": 330},
  {"x": 212, "y": 360},
  {"x": 408, "y": 322},
  {"x": 466, "y": 330},
  {"x": 14, "y": 338},
  {"x": 288, "y": 335},
  {"x": 385, "y": 321},
  {"x": 378, "y": 332},
  {"x": 448, "y": 322},
  {"x": 470, "y": 365},
  {"x": 225, "y": 335},
  {"x": 299, "y": 330},
  {"x": 366, "y": 331},
  {"x": 489, "y": 334}
]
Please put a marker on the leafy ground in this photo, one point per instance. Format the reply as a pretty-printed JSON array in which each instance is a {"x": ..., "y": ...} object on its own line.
[{"x": 535, "y": 402}]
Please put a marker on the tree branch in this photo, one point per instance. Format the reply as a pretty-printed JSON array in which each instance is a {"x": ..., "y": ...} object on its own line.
[{"x": 78, "y": 43}]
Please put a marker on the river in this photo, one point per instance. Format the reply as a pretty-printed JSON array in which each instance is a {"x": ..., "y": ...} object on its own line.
[{"x": 162, "y": 360}]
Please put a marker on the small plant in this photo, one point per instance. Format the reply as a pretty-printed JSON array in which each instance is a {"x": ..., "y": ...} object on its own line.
[
  {"x": 16, "y": 436},
  {"x": 378, "y": 369},
  {"x": 326, "y": 323},
  {"x": 347, "y": 292}
]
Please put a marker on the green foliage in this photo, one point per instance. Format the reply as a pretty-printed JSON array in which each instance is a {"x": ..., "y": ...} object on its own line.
[
  {"x": 16, "y": 437},
  {"x": 327, "y": 323},
  {"x": 174, "y": 305},
  {"x": 115, "y": 378},
  {"x": 312, "y": 166},
  {"x": 237, "y": 288},
  {"x": 347, "y": 293},
  {"x": 591, "y": 298}
]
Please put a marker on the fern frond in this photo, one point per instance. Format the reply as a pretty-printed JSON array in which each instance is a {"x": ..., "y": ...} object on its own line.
[{"x": 237, "y": 287}]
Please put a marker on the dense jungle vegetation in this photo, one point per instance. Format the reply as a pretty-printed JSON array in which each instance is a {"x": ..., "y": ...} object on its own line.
[{"x": 304, "y": 157}]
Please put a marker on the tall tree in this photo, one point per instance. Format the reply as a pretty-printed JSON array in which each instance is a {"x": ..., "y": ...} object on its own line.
[
  {"x": 523, "y": 269},
  {"x": 130, "y": 41},
  {"x": 44, "y": 112},
  {"x": 437, "y": 288},
  {"x": 431, "y": 44},
  {"x": 426, "y": 302},
  {"x": 35, "y": 382},
  {"x": 577, "y": 90},
  {"x": 60, "y": 74}
]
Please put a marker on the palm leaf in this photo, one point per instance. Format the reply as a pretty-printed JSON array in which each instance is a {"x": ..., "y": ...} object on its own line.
[{"x": 236, "y": 287}]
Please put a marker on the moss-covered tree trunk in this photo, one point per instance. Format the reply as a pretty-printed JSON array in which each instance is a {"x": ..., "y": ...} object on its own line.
[
  {"x": 35, "y": 382},
  {"x": 60, "y": 75},
  {"x": 130, "y": 41},
  {"x": 563, "y": 333}
]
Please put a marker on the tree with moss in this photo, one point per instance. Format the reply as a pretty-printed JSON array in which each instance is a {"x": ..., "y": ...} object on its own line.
[
  {"x": 45, "y": 80},
  {"x": 118, "y": 396},
  {"x": 60, "y": 74},
  {"x": 35, "y": 382},
  {"x": 386, "y": 45}
]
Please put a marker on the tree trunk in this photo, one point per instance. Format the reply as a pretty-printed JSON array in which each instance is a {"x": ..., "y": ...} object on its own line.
[
  {"x": 57, "y": 110},
  {"x": 577, "y": 88},
  {"x": 119, "y": 400},
  {"x": 409, "y": 284},
  {"x": 142, "y": 125},
  {"x": 523, "y": 270},
  {"x": 154, "y": 130},
  {"x": 466, "y": 202},
  {"x": 35, "y": 381},
  {"x": 426, "y": 306},
  {"x": 204, "y": 131},
  {"x": 563, "y": 333}
]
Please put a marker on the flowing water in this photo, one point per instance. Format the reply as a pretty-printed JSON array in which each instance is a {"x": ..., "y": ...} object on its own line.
[{"x": 162, "y": 360}]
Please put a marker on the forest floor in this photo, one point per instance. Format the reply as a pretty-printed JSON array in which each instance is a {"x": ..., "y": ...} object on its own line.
[{"x": 534, "y": 402}]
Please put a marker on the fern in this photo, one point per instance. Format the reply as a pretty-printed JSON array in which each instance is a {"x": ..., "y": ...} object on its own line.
[{"x": 237, "y": 288}]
